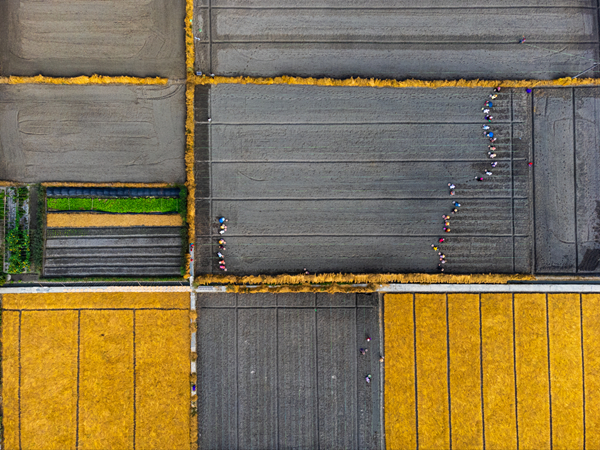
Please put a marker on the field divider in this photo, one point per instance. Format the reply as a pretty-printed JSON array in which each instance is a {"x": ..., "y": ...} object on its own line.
[
  {"x": 390, "y": 83},
  {"x": 84, "y": 80}
]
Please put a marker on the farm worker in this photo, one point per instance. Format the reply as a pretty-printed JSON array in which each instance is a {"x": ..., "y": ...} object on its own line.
[
  {"x": 451, "y": 185},
  {"x": 488, "y": 173},
  {"x": 222, "y": 220},
  {"x": 222, "y": 242}
]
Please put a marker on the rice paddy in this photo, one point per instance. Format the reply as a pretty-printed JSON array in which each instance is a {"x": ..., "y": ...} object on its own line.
[
  {"x": 492, "y": 371},
  {"x": 94, "y": 371}
]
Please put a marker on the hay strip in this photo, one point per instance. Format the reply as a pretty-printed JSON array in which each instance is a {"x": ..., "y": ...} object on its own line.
[
  {"x": 189, "y": 168},
  {"x": 465, "y": 372},
  {"x": 10, "y": 378},
  {"x": 189, "y": 37},
  {"x": 49, "y": 379},
  {"x": 83, "y": 80},
  {"x": 591, "y": 345},
  {"x": 565, "y": 370},
  {"x": 85, "y": 220},
  {"x": 400, "y": 414},
  {"x": 162, "y": 379},
  {"x": 532, "y": 371},
  {"x": 106, "y": 380},
  {"x": 498, "y": 371},
  {"x": 375, "y": 278},
  {"x": 133, "y": 300},
  {"x": 383, "y": 83},
  {"x": 432, "y": 375}
]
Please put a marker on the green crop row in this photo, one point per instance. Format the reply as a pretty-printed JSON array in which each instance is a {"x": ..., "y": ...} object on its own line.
[
  {"x": 117, "y": 205},
  {"x": 17, "y": 240}
]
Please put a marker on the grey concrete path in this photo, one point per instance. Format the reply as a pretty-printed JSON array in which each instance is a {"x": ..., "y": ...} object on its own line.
[
  {"x": 356, "y": 179},
  {"x": 285, "y": 371},
  {"x": 92, "y": 133},
  {"x": 78, "y": 37},
  {"x": 390, "y": 39},
  {"x": 567, "y": 180}
]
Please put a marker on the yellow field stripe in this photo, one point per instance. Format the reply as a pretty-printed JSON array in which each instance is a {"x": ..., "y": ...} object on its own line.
[
  {"x": 498, "y": 372},
  {"x": 49, "y": 379},
  {"x": 10, "y": 378},
  {"x": 400, "y": 413},
  {"x": 106, "y": 380},
  {"x": 81, "y": 80},
  {"x": 432, "y": 371},
  {"x": 566, "y": 379},
  {"x": 465, "y": 371},
  {"x": 391, "y": 83},
  {"x": 97, "y": 300},
  {"x": 162, "y": 379},
  {"x": 591, "y": 346},
  {"x": 532, "y": 371},
  {"x": 86, "y": 220}
]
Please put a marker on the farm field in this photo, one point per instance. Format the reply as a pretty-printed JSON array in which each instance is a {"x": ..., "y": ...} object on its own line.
[
  {"x": 397, "y": 39},
  {"x": 492, "y": 371},
  {"x": 103, "y": 371},
  {"x": 70, "y": 38},
  {"x": 92, "y": 133},
  {"x": 336, "y": 179},
  {"x": 285, "y": 371}
]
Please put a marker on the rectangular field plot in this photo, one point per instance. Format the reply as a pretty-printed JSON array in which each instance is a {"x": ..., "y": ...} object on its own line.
[
  {"x": 94, "y": 371},
  {"x": 388, "y": 39},
  {"x": 68, "y": 38},
  {"x": 286, "y": 371},
  {"x": 92, "y": 133},
  {"x": 501, "y": 371},
  {"x": 336, "y": 179},
  {"x": 567, "y": 180}
]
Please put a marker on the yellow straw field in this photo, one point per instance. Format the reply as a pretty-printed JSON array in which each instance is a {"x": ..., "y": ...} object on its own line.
[
  {"x": 493, "y": 371},
  {"x": 94, "y": 371},
  {"x": 85, "y": 220}
]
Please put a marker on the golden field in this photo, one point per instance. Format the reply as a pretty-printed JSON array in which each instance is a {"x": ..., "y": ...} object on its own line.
[
  {"x": 470, "y": 371},
  {"x": 95, "y": 371}
]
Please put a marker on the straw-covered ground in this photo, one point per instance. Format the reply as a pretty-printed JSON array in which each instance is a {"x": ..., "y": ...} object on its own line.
[
  {"x": 509, "y": 371},
  {"x": 96, "y": 371}
]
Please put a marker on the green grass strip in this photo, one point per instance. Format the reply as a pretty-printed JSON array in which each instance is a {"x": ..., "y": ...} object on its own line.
[{"x": 117, "y": 205}]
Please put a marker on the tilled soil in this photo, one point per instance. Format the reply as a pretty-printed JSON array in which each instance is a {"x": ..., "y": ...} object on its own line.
[
  {"x": 356, "y": 179},
  {"x": 286, "y": 371},
  {"x": 70, "y": 38},
  {"x": 391, "y": 39},
  {"x": 92, "y": 133}
]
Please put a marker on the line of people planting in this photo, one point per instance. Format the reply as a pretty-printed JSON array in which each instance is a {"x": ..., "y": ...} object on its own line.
[
  {"x": 487, "y": 131},
  {"x": 221, "y": 242}
]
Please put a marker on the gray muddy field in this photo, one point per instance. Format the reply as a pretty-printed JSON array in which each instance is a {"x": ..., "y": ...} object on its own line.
[
  {"x": 356, "y": 179},
  {"x": 567, "y": 180},
  {"x": 92, "y": 133},
  {"x": 285, "y": 371},
  {"x": 78, "y": 37},
  {"x": 397, "y": 39}
]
